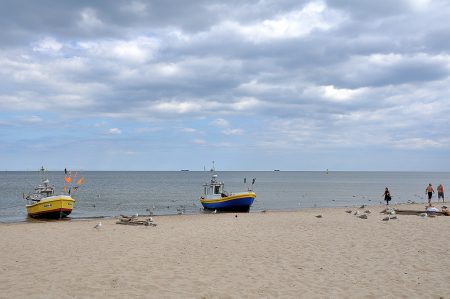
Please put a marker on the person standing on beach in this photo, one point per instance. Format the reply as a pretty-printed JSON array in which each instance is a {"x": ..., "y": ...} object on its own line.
[
  {"x": 440, "y": 190},
  {"x": 430, "y": 192},
  {"x": 387, "y": 195}
]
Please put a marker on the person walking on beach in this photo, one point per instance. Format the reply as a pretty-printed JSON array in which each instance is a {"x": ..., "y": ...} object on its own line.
[
  {"x": 387, "y": 195},
  {"x": 440, "y": 190},
  {"x": 430, "y": 192}
]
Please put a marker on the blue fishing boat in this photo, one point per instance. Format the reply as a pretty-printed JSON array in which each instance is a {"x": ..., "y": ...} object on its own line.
[{"x": 216, "y": 198}]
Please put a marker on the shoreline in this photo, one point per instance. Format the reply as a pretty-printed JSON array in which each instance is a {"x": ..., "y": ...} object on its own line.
[{"x": 202, "y": 212}]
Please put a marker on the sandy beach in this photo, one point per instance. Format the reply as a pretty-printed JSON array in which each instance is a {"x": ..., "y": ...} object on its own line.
[{"x": 255, "y": 255}]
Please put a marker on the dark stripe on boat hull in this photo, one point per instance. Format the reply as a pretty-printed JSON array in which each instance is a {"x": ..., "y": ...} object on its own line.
[
  {"x": 231, "y": 209},
  {"x": 52, "y": 214}
]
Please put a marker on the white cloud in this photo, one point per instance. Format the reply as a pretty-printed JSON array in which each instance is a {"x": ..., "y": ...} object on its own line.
[
  {"x": 419, "y": 143},
  {"x": 188, "y": 130},
  {"x": 313, "y": 16},
  {"x": 233, "y": 131},
  {"x": 256, "y": 87},
  {"x": 340, "y": 94},
  {"x": 138, "y": 50},
  {"x": 246, "y": 104},
  {"x": 48, "y": 44},
  {"x": 177, "y": 107},
  {"x": 226, "y": 126},
  {"x": 115, "y": 131},
  {"x": 167, "y": 69},
  {"x": 419, "y": 5}
]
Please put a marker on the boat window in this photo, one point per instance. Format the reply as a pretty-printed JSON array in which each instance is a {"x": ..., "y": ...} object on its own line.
[{"x": 216, "y": 189}]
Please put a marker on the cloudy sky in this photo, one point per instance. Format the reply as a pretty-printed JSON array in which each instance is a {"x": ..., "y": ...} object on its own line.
[{"x": 252, "y": 85}]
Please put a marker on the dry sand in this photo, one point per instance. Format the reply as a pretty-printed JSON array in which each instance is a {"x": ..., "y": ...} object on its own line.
[{"x": 255, "y": 255}]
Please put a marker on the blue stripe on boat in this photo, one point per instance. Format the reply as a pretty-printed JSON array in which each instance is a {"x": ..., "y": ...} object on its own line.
[{"x": 236, "y": 203}]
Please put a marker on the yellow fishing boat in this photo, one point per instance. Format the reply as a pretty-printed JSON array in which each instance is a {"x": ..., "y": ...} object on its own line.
[
  {"x": 43, "y": 203},
  {"x": 51, "y": 207}
]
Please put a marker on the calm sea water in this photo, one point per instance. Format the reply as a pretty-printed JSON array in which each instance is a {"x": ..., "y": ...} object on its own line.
[{"x": 112, "y": 193}]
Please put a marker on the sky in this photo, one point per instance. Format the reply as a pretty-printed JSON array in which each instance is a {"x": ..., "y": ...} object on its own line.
[{"x": 252, "y": 85}]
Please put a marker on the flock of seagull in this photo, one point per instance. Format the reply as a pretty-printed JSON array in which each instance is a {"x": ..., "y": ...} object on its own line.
[{"x": 364, "y": 215}]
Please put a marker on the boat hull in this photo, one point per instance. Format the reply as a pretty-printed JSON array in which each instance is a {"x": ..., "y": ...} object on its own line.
[
  {"x": 51, "y": 207},
  {"x": 234, "y": 203}
]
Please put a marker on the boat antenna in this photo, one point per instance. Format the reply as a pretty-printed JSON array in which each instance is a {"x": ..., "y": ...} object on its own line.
[
  {"x": 42, "y": 173},
  {"x": 253, "y": 182}
]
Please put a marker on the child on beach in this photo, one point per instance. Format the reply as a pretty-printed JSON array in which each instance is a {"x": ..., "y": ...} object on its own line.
[{"x": 387, "y": 195}]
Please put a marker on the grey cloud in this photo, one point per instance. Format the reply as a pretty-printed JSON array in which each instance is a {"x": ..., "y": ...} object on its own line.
[{"x": 220, "y": 68}]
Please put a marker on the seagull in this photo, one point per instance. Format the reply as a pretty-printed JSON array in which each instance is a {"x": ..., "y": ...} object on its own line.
[
  {"x": 363, "y": 216},
  {"x": 367, "y": 211},
  {"x": 348, "y": 211},
  {"x": 319, "y": 216},
  {"x": 356, "y": 213},
  {"x": 215, "y": 212},
  {"x": 150, "y": 219},
  {"x": 98, "y": 226},
  {"x": 423, "y": 215},
  {"x": 362, "y": 207},
  {"x": 136, "y": 215},
  {"x": 386, "y": 218},
  {"x": 394, "y": 217}
]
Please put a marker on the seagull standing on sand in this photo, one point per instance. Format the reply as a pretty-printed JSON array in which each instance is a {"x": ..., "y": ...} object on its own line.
[
  {"x": 215, "y": 212},
  {"x": 98, "y": 226}
]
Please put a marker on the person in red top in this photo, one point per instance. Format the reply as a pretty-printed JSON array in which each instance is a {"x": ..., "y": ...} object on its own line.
[
  {"x": 440, "y": 190},
  {"x": 430, "y": 192}
]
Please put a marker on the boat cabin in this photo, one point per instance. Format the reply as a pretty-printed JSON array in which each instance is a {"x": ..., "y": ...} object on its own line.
[
  {"x": 214, "y": 188},
  {"x": 45, "y": 189},
  {"x": 41, "y": 191}
]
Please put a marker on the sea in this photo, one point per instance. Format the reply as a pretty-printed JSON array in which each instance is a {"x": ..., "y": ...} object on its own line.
[{"x": 112, "y": 193}]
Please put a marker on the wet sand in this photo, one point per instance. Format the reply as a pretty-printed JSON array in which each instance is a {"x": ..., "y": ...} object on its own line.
[{"x": 271, "y": 254}]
